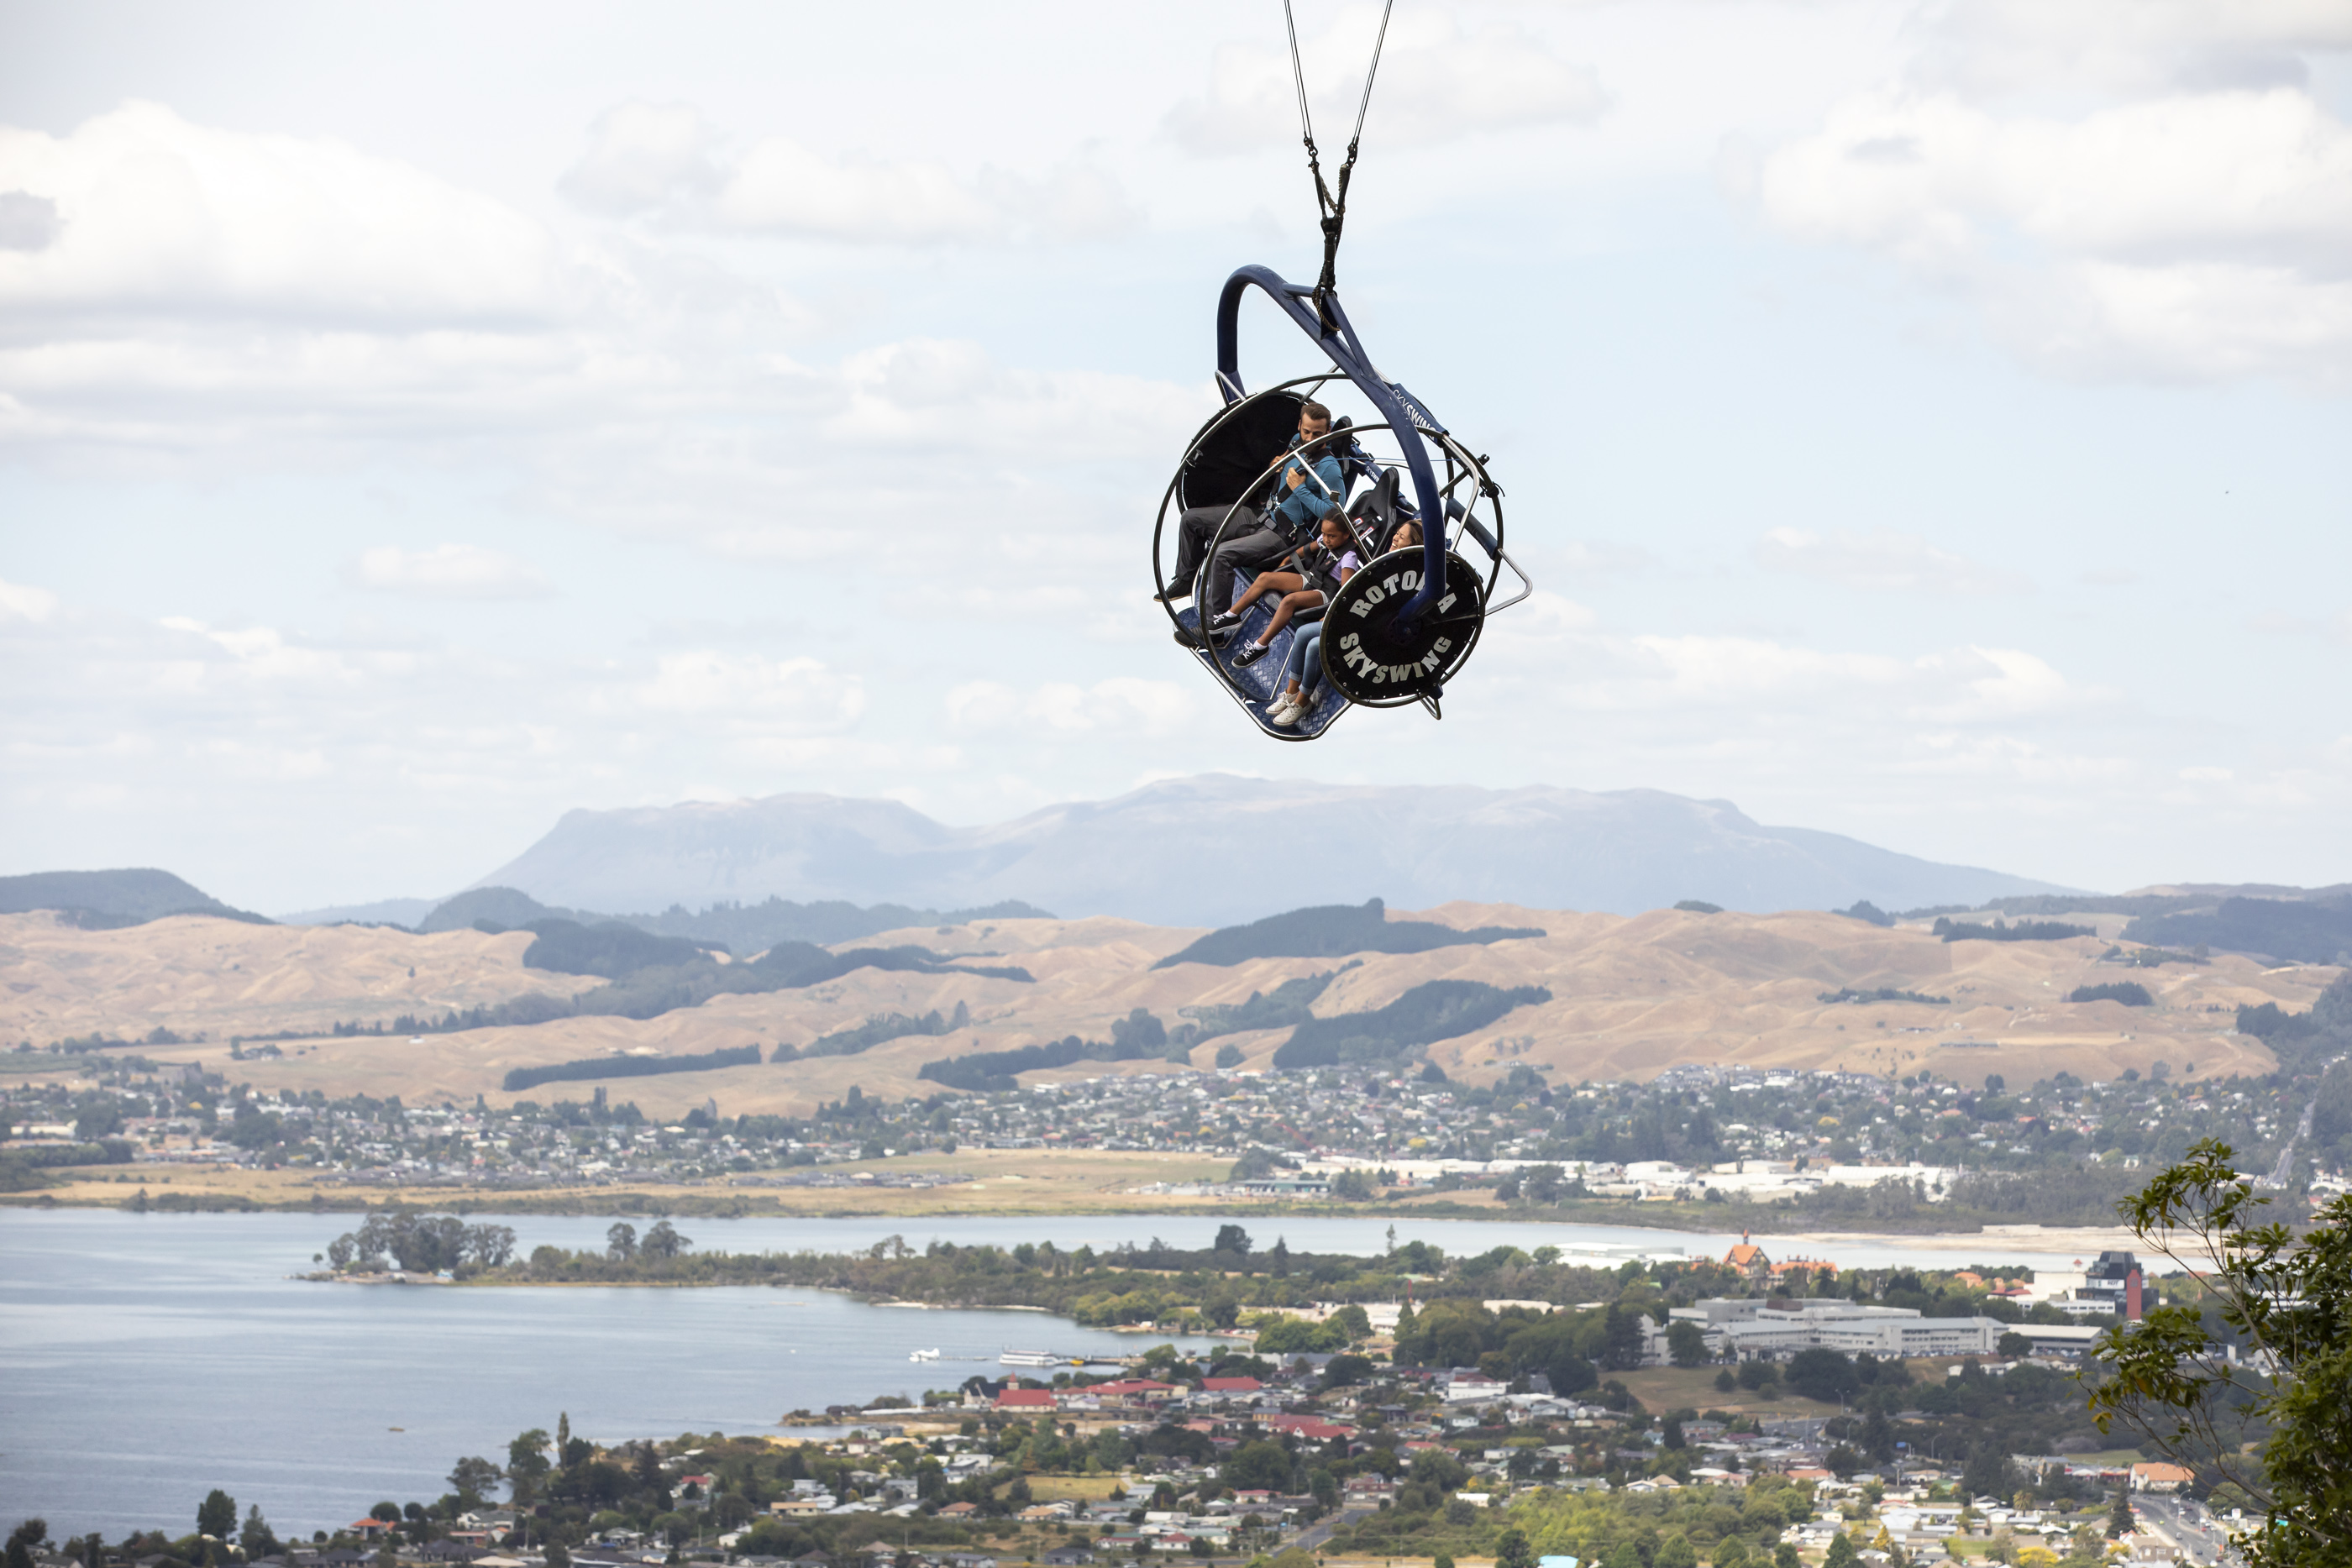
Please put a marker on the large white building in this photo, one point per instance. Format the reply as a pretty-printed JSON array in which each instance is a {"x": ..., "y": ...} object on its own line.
[{"x": 1780, "y": 1328}]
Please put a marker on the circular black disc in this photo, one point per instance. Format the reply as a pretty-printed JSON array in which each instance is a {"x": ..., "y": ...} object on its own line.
[
  {"x": 1236, "y": 454},
  {"x": 1370, "y": 659}
]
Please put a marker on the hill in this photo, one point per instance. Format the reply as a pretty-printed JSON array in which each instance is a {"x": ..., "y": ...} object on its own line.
[
  {"x": 1598, "y": 996},
  {"x": 1142, "y": 856},
  {"x": 99, "y": 899},
  {"x": 1333, "y": 932},
  {"x": 381, "y": 912},
  {"x": 2314, "y": 930},
  {"x": 736, "y": 927}
]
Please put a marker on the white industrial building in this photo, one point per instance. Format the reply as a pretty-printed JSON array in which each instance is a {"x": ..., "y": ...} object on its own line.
[{"x": 1779, "y": 1328}]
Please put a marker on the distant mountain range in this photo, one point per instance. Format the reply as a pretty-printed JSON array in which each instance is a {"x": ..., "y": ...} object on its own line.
[
  {"x": 1214, "y": 851},
  {"x": 1219, "y": 849}
]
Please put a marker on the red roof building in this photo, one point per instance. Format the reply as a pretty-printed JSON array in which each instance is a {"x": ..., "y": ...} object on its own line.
[
  {"x": 1025, "y": 1400},
  {"x": 1747, "y": 1259},
  {"x": 1230, "y": 1384}
]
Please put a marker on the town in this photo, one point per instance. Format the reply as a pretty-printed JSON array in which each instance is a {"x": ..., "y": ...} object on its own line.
[
  {"x": 1745, "y": 1410},
  {"x": 1744, "y": 1146}
]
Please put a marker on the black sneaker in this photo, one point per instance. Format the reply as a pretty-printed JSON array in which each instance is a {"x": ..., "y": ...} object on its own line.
[
  {"x": 1223, "y": 620},
  {"x": 1251, "y": 652},
  {"x": 1221, "y": 635},
  {"x": 1187, "y": 638}
]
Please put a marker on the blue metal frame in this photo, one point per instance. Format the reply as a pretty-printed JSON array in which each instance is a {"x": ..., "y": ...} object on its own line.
[{"x": 1399, "y": 407}]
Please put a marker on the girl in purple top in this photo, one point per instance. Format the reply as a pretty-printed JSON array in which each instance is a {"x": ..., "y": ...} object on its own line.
[
  {"x": 1332, "y": 561},
  {"x": 1302, "y": 671}
]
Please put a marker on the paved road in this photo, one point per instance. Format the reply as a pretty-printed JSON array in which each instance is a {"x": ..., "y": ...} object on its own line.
[
  {"x": 2188, "y": 1524},
  {"x": 1312, "y": 1538}
]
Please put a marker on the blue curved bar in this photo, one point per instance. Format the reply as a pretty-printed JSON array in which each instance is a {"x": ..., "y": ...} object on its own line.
[{"x": 1399, "y": 408}]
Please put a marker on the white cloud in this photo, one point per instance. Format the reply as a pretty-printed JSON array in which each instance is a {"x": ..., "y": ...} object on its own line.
[
  {"x": 795, "y": 697},
  {"x": 265, "y": 655},
  {"x": 1560, "y": 660},
  {"x": 784, "y": 188},
  {"x": 641, "y": 155},
  {"x": 1882, "y": 561},
  {"x": 1544, "y": 618},
  {"x": 448, "y": 571},
  {"x": 637, "y": 390},
  {"x": 154, "y": 215},
  {"x": 2186, "y": 217},
  {"x": 1436, "y": 83},
  {"x": 959, "y": 398},
  {"x": 1059, "y": 708},
  {"x": 1993, "y": 46},
  {"x": 20, "y": 602},
  {"x": 647, "y": 158},
  {"x": 622, "y": 384}
]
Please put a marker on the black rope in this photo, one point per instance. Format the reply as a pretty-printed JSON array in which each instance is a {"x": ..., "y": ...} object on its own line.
[{"x": 1334, "y": 211}]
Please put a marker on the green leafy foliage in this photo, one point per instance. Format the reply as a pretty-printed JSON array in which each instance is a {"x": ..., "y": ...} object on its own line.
[
  {"x": 107, "y": 900},
  {"x": 1882, "y": 994},
  {"x": 1999, "y": 930},
  {"x": 741, "y": 928},
  {"x": 1139, "y": 1037},
  {"x": 1432, "y": 1011},
  {"x": 47, "y": 1156},
  {"x": 1332, "y": 931},
  {"x": 217, "y": 1515},
  {"x": 2284, "y": 1296},
  {"x": 2303, "y": 1040},
  {"x": 423, "y": 1243},
  {"x": 1287, "y": 1003},
  {"x": 792, "y": 965},
  {"x": 884, "y": 1027},
  {"x": 2131, "y": 993},
  {"x": 2311, "y": 931},
  {"x": 610, "y": 950},
  {"x": 521, "y": 1078},
  {"x": 651, "y": 991}
]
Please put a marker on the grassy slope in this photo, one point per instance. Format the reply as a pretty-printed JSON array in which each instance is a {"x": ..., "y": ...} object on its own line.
[{"x": 1630, "y": 997}]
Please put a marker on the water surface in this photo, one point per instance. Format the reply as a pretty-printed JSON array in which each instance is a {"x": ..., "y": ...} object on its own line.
[{"x": 145, "y": 1359}]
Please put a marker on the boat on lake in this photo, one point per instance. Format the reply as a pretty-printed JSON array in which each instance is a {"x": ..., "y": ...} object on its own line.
[
  {"x": 1032, "y": 1358},
  {"x": 922, "y": 1355}
]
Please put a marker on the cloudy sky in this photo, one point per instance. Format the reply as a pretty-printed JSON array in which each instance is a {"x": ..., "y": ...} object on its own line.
[{"x": 1932, "y": 424}]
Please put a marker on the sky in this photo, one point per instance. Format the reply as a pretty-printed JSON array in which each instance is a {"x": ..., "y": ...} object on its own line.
[{"x": 1923, "y": 422}]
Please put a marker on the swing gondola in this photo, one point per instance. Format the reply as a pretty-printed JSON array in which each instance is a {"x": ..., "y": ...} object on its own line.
[{"x": 1405, "y": 623}]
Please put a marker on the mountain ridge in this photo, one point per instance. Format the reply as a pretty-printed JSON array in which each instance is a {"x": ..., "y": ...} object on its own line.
[{"x": 1165, "y": 853}]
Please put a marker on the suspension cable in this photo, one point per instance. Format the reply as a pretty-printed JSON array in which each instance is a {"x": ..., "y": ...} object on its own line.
[{"x": 1333, "y": 210}]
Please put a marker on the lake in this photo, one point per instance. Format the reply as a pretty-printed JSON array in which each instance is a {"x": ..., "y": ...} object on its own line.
[{"x": 145, "y": 1359}]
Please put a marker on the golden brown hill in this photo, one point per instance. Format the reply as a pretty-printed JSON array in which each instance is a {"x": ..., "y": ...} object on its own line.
[{"x": 1630, "y": 997}]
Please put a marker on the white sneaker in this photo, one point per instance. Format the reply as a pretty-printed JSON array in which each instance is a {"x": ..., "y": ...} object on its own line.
[{"x": 1284, "y": 713}]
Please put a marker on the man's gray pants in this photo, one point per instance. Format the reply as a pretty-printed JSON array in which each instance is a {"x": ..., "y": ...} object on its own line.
[{"x": 1253, "y": 552}]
